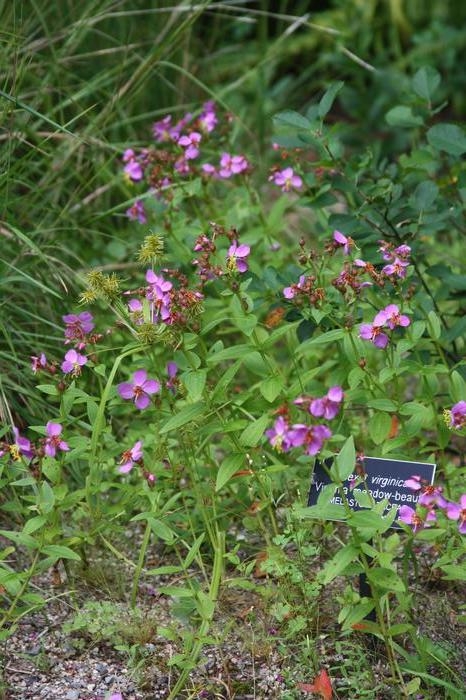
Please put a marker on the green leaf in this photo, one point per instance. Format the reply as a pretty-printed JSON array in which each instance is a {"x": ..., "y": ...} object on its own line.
[
  {"x": 435, "y": 327},
  {"x": 362, "y": 497},
  {"x": 46, "y": 497},
  {"x": 425, "y": 195},
  {"x": 413, "y": 686},
  {"x": 368, "y": 520},
  {"x": 49, "y": 389},
  {"x": 357, "y": 613},
  {"x": 92, "y": 410},
  {"x": 193, "y": 550},
  {"x": 194, "y": 381},
  {"x": 34, "y": 524},
  {"x": 59, "y": 551},
  {"x": 447, "y": 137},
  {"x": 232, "y": 353},
  {"x": 271, "y": 387},
  {"x": 225, "y": 380},
  {"x": 328, "y": 98},
  {"x": 228, "y": 467},
  {"x": 254, "y": 431},
  {"x": 379, "y": 427},
  {"x": 458, "y": 329},
  {"x": 187, "y": 415},
  {"x": 387, "y": 579},
  {"x": 457, "y": 386},
  {"x": 20, "y": 538},
  {"x": 323, "y": 339},
  {"x": 205, "y": 605},
  {"x": 382, "y": 404},
  {"x": 425, "y": 82},
  {"x": 177, "y": 591},
  {"x": 161, "y": 530},
  {"x": 338, "y": 563},
  {"x": 290, "y": 118},
  {"x": 403, "y": 116},
  {"x": 345, "y": 461}
]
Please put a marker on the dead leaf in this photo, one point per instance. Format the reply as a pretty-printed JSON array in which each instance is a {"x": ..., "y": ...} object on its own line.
[
  {"x": 322, "y": 686},
  {"x": 394, "y": 427}
]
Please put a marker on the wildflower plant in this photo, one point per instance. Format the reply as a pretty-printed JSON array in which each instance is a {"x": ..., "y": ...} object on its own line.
[{"x": 188, "y": 407}]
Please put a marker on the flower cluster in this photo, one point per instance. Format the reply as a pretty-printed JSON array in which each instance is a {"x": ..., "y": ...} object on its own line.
[
  {"x": 164, "y": 303},
  {"x": 283, "y": 436},
  {"x": 47, "y": 446},
  {"x": 304, "y": 289},
  {"x": 237, "y": 254},
  {"x": 178, "y": 154},
  {"x": 349, "y": 279},
  {"x": 398, "y": 259},
  {"x": 388, "y": 318},
  {"x": 430, "y": 499}
]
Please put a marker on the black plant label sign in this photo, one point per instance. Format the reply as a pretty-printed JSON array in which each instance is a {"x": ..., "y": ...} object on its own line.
[{"x": 383, "y": 479}]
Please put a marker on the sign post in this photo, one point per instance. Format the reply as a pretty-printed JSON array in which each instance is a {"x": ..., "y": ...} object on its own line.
[{"x": 383, "y": 479}]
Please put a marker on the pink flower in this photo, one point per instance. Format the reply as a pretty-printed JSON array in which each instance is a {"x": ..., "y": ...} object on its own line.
[
  {"x": 391, "y": 317},
  {"x": 172, "y": 382},
  {"x": 208, "y": 119},
  {"x": 78, "y": 326},
  {"x": 278, "y": 435},
  {"x": 130, "y": 457},
  {"x": 209, "y": 169},
  {"x": 53, "y": 441},
  {"x": 341, "y": 240},
  {"x": 430, "y": 495},
  {"x": 164, "y": 131},
  {"x": 22, "y": 445},
  {"x": 286, "y": 179},
  {"x": 414, "y": 483},
  {"x": 38, "y": 363},
  {"x": 374, "y": 334},
  {"x": 329, "y": 405},
  {"x": 133, "y": 168},
  {"x": 294, "y": 289},
  {"x": 190, "y": 144},
  {"x": 159, "y": 294},
  {"x": 458, "y": 415},
  {"x": 457, "y": 511},
  {"x": 310, "y": 436},
  {"x": 409, "y": 516},
  {"x": 237, "y": 256},
  {"x": 396, "y": 268},
  {"x": 140, "y": 389},
  {"x": 232, "y": 165},
  {"x": 403, "y": 251},
  {"x": 136, "y": 212},
  {"x": 73, "y": 362}
]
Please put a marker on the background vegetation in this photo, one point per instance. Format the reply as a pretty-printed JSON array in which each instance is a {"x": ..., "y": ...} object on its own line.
[{"x": 81, "y": 82}]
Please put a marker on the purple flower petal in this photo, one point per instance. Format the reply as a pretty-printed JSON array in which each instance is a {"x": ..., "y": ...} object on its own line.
[
  {"x": 151, "y": 386},
  {"x": 53, "y": 429},
  {"x": 139, "y": 377},
  {"x": 142, "y": 401},
  {"x": 126, "y": 390}
]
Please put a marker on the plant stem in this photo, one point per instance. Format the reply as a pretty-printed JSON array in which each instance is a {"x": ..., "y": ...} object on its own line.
[
  {"x": 193, "y": 653},
  {"x": 140, "y": 564}
]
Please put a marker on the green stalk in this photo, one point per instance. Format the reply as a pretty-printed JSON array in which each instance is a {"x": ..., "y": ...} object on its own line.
[
  {"x": 196, "y": 648},
  {"x": 95, "y": 473},
  {"x": 140, "y": 564}
]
